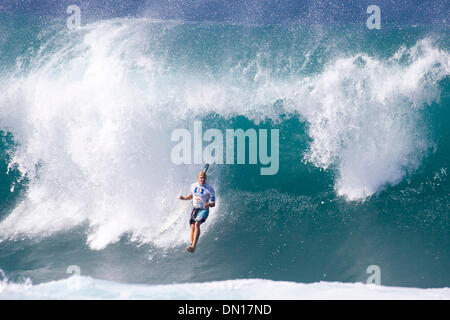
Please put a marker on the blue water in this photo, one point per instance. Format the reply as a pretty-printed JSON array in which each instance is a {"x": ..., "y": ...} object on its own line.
[{"x": 86, "y": 116}]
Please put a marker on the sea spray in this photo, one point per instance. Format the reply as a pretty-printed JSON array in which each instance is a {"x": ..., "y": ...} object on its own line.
[{"x": 362, "y": 115}]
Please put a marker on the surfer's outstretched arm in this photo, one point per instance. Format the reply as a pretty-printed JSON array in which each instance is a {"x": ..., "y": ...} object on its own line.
[{"x": 189, "y": 197}]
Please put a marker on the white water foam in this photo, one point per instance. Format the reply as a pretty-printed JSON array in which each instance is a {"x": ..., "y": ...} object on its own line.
[
  {"x": 93, "y": 112},
  {"x": 100, "y": 150},
  {"x": 82, "y": 287},
  {"x": 365, "y": 120}
]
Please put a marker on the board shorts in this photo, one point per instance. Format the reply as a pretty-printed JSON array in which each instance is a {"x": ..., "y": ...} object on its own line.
[{"x": 198, "y": 215}]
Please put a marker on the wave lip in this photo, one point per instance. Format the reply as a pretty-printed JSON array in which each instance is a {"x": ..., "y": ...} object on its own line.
[
  {"x": 365, "y": 116},
  {"x": 83, "y": 287}
]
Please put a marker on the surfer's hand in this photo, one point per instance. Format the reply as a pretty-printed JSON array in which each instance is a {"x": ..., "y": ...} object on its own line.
[
  {"x": 206, "y": 205},
  {"x": 181, "y": 197}
]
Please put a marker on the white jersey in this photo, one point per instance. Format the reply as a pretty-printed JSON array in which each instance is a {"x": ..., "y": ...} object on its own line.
[{"x": 201, "y": 194}]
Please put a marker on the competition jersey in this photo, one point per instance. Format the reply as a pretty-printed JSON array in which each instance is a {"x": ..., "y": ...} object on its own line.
[{"x": 201, "y": 194}]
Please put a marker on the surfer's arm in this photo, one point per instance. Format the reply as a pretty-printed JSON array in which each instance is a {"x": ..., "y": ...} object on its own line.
[
  {"x": 212, "y": 203},
  {"x": 209, "y": 205},
  {"x": 189, "y": 197}
]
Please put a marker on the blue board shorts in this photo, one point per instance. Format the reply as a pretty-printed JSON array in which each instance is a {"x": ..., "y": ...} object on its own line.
[{"x": 198, "y": 215}]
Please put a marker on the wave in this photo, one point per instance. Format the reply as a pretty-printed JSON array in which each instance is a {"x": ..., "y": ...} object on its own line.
[
  {"x": 82, "y": 287},
  {"x": 92, "y": 111}
]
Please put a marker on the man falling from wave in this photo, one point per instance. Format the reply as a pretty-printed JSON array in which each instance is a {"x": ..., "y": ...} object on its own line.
[{"x": 203, "y": 198}]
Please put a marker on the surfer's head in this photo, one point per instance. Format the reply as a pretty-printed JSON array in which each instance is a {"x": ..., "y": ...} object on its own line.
[{"x": 201, "y": 177}]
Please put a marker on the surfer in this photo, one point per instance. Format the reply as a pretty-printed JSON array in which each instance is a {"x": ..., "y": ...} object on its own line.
[{"x": 203, "y": 198}]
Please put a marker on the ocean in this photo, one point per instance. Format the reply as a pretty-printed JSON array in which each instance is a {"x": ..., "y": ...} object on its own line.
[{"x": 88, "y": 186}]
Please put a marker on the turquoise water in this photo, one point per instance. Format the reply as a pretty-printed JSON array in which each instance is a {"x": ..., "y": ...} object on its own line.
[{"x": 86, "y": 175}]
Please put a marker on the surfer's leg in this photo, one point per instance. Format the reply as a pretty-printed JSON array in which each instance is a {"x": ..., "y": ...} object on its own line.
[
  {"x": 192, "y": 233},
  {"x": 192, "y": 236},
  {"x": 196, "y": 221},
  {"x": 192, "y": 225},
  {"x": 196, "y": 234}
]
